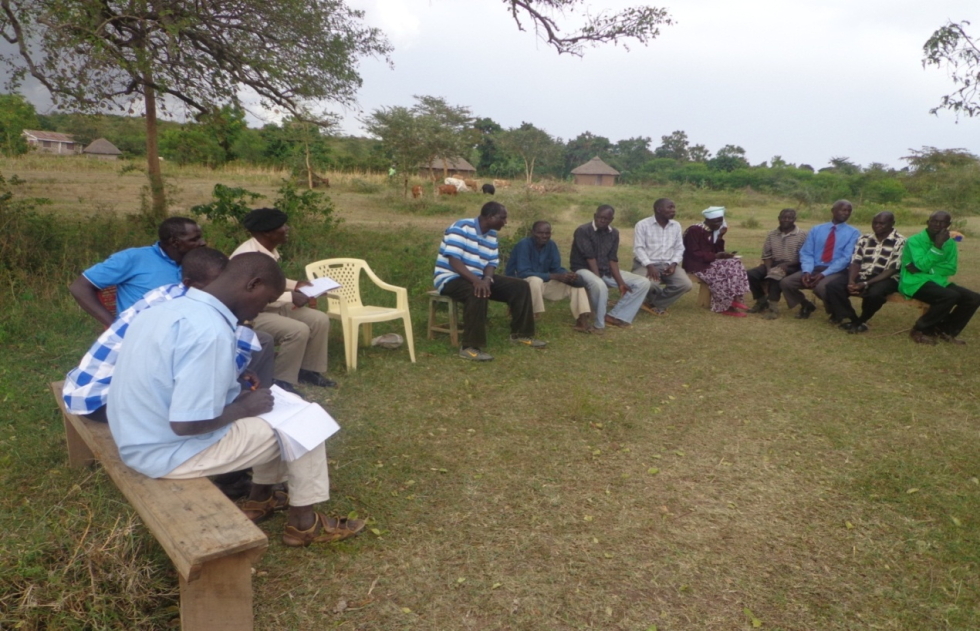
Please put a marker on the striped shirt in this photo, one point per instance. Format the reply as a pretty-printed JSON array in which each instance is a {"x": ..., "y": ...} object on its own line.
[
  {"x": 876, "y": 256},
  {"x": 784, "y": 247},
  {"x": 465, "y": 242},
  {"x": 86, "y": 387}
]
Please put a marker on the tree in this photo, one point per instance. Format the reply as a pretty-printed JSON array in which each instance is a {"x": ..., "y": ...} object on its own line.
[
  {"x": 632, "y": 153},
  {"x": 633, "y": 23},
  {"x": 729, "y": 158},
  {"x": 16, "y": 115},
  {"x": 402, "y": 136},
  {"x": 531, "y": 144},
  {"x": 447, "y": 130},
  {"x": 699, "y": 153},
  {"x": 585, "y": 147},
  {"x": 673, "y": 146},
  {"x": 952, "y": 47},
  {"x": 100, "y": 55},
  {"x": 844, "y": 166},
  {"x": 487, "y": 146}
]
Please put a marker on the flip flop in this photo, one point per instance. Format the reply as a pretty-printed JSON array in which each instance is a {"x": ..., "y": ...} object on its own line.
[
  {"x": 324, "y": 530},
  {"x": 279, "y": 500}
]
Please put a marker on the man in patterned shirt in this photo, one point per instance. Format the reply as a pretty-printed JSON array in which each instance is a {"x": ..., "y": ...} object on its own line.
[
  {"x": 86, "y": 388},
  {"x": 872, "y": 274},
  {"x": 780, "y": 258},
  {"x": 468, "y": 258}
]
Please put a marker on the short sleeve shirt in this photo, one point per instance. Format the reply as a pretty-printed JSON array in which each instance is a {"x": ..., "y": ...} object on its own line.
[
  {"x": 178, "y": 364},
  {"x": 134, "y": 272}
]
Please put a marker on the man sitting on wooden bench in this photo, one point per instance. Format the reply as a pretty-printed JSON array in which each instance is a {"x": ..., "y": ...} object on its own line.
[{"x": 177, "y": 411}]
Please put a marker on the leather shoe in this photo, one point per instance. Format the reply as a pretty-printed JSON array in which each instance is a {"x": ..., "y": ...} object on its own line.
[
  {"x": 946, "y": 337},
  {"x": 315, "y": 379},
  {"x": 921, "y": 338},
  {"x": 288, "y": 387},
  {"x": 805, "y": 310}
]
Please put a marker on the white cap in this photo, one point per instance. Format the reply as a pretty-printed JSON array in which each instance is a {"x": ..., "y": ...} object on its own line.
[{"x": 713, "y": 212}]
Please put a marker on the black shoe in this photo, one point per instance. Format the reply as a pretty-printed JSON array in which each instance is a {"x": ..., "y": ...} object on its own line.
[
  {"x": 760, "y": 306},
  {"x": 835, "y": 320},
  {"x": 288, "y": 387},
  {"x": 846, "y": 326},
  {"x": 859, "y": 327},
  {"x": 805, "y": 310},
  {"x": 316, "y": 379}
]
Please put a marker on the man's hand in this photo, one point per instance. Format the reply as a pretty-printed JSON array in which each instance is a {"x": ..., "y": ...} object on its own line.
[
  {"x": 941, "y": 239},
  {"x": 249, "y": 377},
  {"x": 912, "y": 269},
  {"x": 303, "y": 283},
  {"x": 624, "y": 289},
  {"x": 481, "y": 288},
  {"x": 724, "y": 255},
  {"x": 855, "y": 289},
  {"x": 300, "y": 299},
  {"x": 565, "y": 277},
  {"x": 670, "y": 270},
  {"x": 723, "y": 231},
  {"x": 806, "y": 279},
  {"x": 255, "y": 402},
  {"x": 810, "y": 280},
  {"x": 653, "y": 273}
]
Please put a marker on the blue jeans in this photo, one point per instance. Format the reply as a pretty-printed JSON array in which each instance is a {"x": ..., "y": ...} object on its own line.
[{"x": 628, "y": 304}]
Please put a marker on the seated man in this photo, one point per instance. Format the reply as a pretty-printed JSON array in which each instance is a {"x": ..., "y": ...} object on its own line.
[
  {"x": 873, "y": 274},
  {"x": 595, "y": 258},
  {"x": 137, "y": 270},
  {"x": 536, "y": 260},
  {"x": 780, "y": 258},
  {"x": 86, "y": 388},
  {"x": 300, "y": 332},
  {"x": 825, "y": 254},
  {"x": 658, "y": 248},
  {"x": 176, "y": 410},
  {"x": 928, "y": 260},
  {"x": 465, "y": 266}
]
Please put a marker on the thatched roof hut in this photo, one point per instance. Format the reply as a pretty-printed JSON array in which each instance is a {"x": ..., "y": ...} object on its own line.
[
  {"x": 102, "y": 149},
  {"x": 595, "y": 172}
]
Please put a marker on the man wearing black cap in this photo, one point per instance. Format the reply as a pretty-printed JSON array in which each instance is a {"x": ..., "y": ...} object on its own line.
[{"x": 300, "y": 332}]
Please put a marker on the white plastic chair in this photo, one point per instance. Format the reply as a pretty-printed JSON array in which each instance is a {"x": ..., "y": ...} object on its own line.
[{"x": 345, "y": 304}]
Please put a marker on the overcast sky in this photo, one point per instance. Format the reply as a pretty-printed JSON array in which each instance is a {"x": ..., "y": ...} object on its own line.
[{"x": 804, "y": 79}]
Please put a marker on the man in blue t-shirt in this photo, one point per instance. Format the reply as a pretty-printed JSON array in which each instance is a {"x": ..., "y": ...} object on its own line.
[{"x": 137, "y": 270}]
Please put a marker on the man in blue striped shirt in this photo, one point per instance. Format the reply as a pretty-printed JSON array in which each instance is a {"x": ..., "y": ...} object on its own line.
[{"x": 468, "y": 258}]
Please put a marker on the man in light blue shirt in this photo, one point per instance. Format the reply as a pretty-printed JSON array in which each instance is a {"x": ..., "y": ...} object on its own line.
[
  {"x": 825, "y": 255},
  {"x": 176, "y": 410}
]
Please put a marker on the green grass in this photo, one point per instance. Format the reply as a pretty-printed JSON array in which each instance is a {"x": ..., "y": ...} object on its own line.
[{"x": 674, "y": 474}]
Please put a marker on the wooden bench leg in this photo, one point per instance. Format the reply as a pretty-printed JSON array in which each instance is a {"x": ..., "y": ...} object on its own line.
[
  {"x": 704, "y": 296},
  {"x": 454, "y": 322},
  {"x": 432, "y": 318},
  {"x": 79, "y": 455},
  {"x": 220, "y": 598}
]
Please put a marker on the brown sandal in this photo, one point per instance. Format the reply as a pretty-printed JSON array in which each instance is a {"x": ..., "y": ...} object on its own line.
[
  {"x": 260, "y": 511},
  {"x": 324, "y": 530}
]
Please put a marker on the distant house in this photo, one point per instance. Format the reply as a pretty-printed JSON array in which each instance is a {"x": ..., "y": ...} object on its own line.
[
  {"x": 51, "y": 142},
  {"x": 102, "y": 149},
  {"x": 595, "y": 172},
  {"x": 455, "y": 167}
]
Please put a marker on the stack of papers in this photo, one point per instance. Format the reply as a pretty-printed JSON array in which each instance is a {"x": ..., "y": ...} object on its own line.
[
  {"x": 319, "y": 287},
  {"x": 300, "y": 425}
]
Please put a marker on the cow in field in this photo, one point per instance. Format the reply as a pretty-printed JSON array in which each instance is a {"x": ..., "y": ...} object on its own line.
[
  {"x": 537, "y": 188},
  {"x": 488, "y": 189},
  {"x": 458, "y": 183},
  {"x": 471, "y": 184},
  {"x": 447, "y": 189},
  {"x": 416, "y": 192},
  {"x": 501, "y": 183}
]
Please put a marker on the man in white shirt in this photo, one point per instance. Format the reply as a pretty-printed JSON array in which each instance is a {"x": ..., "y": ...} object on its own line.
[
  {"x": 658, "y": 248},
  {"x": 300, "y": 332}
]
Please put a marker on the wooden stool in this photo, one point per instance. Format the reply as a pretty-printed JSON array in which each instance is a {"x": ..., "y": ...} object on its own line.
[
  {"x": 451, "y": 327},
  {"x": 704, "y": 293}
]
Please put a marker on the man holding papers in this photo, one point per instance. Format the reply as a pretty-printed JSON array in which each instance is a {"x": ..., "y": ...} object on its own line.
[
  {"x": 176, "y": 409},
  {"x": 300, "y": 332}
]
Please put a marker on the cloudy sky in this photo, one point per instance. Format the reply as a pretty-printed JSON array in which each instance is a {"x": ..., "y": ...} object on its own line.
[{"x": 804, "y": 79}]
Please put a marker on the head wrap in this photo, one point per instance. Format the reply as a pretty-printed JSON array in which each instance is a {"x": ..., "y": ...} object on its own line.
[
  {"x": 713, "y": 212},
  {"x": 264, "y": 219}
]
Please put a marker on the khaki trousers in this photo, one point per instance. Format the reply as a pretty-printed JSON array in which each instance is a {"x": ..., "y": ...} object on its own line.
[
  {"x": 251, "y": 442},
  {"x": 300, "y": 334},
  {"x": 556, "y": 290}
]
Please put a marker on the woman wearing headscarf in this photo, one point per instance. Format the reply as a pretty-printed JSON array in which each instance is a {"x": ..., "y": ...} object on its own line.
[{"x": 706, "y": 258}]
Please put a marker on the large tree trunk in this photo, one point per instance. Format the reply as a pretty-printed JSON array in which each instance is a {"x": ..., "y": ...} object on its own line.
[{"x": 158, "y": 202}]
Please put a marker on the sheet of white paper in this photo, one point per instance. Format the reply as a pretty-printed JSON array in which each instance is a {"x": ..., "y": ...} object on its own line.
[
  {"x": 319, "y": 287},
  {"x": 299, "y": 423}
]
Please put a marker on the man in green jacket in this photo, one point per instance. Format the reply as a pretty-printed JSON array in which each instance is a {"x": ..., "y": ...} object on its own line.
[{"x": 928, "y": 261}]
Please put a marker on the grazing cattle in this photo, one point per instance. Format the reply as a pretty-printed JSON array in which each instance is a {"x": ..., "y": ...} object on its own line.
[
  {"x": 458, "y": 183},
  {"x": 446, "y": 189},
  {"x": 416, "y": 192},
  {"x": 537, "y": 188},
  {"x": 471, "y": 184},
  {"x": 501, "y": 183},
  {"x": 488, "y": 189}
]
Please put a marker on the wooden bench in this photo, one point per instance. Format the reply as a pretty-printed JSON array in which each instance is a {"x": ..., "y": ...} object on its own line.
[
  {"x": 704, "y": 296},
  {"x": 209, "y": 540},
  {"x": 452, "y": 326}
]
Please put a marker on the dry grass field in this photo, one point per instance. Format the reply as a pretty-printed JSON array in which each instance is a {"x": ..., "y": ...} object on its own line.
[{"x": 692, "y": 472}]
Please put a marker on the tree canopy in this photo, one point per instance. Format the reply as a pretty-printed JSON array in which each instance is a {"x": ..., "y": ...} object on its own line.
[{"x": 953, "y": 48}]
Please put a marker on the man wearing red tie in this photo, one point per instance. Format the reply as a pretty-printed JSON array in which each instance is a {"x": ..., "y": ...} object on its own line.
[{"x": 825, "y": 255}]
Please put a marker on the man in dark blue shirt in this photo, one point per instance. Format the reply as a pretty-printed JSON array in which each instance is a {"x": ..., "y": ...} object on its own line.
[{"x": 536, "y": 260}]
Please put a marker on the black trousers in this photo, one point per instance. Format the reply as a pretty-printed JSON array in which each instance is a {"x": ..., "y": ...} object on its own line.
[
  {"x": 514, "y": 291},
  {"x": 950, "y": 308},
  {"x": 758, "y": 283},
  {"x": 873, "y": 299}
]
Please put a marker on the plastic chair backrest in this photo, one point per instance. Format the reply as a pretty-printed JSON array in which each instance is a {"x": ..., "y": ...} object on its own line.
[{"x": 347, "y": 272}]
